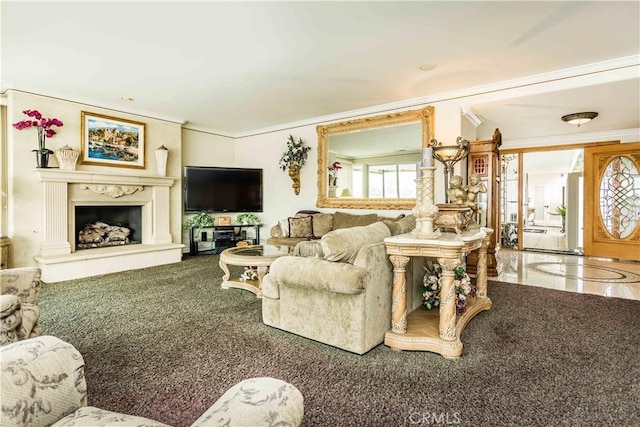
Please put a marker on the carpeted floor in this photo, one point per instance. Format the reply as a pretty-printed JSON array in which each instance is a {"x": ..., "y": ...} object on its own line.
[{"x": 165, "y": 342}]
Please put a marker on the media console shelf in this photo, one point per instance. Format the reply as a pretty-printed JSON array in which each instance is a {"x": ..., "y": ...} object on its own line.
[{"x": 223, "y": 237}]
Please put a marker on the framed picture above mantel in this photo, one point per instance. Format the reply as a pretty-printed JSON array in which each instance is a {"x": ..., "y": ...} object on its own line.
[{"x": 110, "y": 141}]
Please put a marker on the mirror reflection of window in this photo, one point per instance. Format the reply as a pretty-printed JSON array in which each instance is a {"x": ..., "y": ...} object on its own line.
[
  {"x": 407, "y": 180},
  {"x": 392, "y": 181},
  {"x": 357, "y": 183}
]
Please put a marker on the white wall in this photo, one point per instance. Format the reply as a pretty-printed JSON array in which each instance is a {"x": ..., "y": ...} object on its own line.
[{"x": 25, "y": 210}]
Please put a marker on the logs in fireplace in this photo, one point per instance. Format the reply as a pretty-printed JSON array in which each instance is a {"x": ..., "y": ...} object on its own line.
[{"x": 100, "y": 235}]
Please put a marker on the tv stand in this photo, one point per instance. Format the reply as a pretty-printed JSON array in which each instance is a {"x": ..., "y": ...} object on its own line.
[{"x": 221, "y": 237}]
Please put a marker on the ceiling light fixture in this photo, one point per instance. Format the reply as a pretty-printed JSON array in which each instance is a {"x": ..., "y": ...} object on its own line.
[
  {"x": 579, "y": 118},
  {"x": 427, "y": 67},
  {"x": 127, "y": 98}
]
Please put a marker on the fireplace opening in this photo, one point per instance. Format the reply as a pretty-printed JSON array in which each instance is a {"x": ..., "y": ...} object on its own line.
[{"x": 103, "y": 226}]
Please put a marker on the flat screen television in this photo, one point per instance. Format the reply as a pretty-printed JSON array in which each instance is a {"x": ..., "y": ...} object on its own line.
[{"x": 217, "y": 189}]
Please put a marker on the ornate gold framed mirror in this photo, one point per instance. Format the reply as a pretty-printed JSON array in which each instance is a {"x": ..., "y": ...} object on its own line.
[{"x": 369, "y": 149}]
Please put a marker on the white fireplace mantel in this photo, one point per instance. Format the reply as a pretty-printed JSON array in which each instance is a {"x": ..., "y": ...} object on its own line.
[{"x": 66, "y": 189}]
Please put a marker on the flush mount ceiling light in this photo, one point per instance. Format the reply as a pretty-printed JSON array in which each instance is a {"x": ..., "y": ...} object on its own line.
[
  {"x": 427, "y": 67},
  {"x": 579, "y": 118}
]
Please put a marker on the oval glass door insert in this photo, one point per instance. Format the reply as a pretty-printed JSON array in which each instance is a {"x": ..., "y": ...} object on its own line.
[{"x": 620, "y": 197}]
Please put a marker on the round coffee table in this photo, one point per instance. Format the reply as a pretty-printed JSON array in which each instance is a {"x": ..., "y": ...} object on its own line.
[{"x": 259, "y": 256}]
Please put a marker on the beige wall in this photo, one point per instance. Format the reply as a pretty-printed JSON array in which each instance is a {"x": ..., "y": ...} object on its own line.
[
  {"x": 187, "y": 147},
  {"x": 204, "y": 149},
  {"x": 25, "y": 203}
]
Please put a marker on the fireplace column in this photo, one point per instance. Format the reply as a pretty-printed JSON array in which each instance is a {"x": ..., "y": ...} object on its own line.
[
  {"x": 161, "y": 226},
  {"x": 55, "y": 219}
]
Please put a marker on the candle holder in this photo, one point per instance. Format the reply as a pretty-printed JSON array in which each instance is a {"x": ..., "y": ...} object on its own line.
[{"x": 425, "y": 210}]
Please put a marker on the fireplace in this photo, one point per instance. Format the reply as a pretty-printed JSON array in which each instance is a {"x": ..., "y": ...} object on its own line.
[
  {"x": 73, "y": 199},
  {"x": 104, "y": 226}
]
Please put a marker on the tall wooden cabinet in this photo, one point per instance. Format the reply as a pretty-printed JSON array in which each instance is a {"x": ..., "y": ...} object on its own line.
[{"x": 484, "y": 160}]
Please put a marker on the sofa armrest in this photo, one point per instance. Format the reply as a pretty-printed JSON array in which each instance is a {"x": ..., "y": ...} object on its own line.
[
  {"x": 23, "y": 282},
  {"x": 41, "y": 382},
  {"x": 316, "y": 273},
  {"x": 256, "y": 402}
]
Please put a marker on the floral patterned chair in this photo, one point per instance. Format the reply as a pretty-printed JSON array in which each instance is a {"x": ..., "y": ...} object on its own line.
[
  {"x": 19, "y": 312},
  {"x": 42, "y": 383}
]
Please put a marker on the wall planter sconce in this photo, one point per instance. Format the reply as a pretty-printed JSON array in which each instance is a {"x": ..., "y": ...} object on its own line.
[
  {"x": 293, "y": 159},
  {"x": 579, "y": 118}
]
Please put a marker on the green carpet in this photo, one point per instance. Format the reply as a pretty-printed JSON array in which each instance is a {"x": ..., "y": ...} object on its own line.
[{"x": 165, "y": 342}]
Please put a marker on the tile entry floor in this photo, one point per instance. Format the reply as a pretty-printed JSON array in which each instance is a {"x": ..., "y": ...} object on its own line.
[{"x": 572, "y": 273}]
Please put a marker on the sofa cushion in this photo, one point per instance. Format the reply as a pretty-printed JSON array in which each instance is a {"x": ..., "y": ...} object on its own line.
[
  {"x": 301, "y": 227},
  {"x": 345, "y": 220},
  {"x": 308, "y": 248},
  {"x": 344, "y": 244},
  {"x": 322, "y": 224}
]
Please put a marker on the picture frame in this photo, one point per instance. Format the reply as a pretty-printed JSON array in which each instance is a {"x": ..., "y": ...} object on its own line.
[
  {"x": 224, "y": 220},
  {"x": 111, "y": 141}
]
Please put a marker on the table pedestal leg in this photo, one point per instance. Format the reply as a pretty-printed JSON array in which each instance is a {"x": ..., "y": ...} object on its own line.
[
  {"x": 481, "y": 269},
  {"x": 399, "y": 296},
  {"x": 448, "y": 299}
]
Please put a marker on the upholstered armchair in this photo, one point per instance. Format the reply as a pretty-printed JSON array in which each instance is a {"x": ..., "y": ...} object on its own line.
[
  {"x": 19, "y": 312},
  {"x": 337, "y": 292},
  {"x": 42, "y": 383}
]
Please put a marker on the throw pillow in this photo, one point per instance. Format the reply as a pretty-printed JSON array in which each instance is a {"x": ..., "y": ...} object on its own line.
[
  {"x": 301, "y": 226},
  {"x": 284, "y": 226},
  {"x": 345, "y": 220},
  {"x": 322, "y": 224}
]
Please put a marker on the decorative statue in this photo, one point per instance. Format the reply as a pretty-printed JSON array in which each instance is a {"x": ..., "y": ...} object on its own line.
[
  {"x": 456, "y": 193},
  {"x": 474, "y": 187}
]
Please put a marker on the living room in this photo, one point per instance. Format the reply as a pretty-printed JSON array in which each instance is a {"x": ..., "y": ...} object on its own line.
[{"x": 253, "y": 137}]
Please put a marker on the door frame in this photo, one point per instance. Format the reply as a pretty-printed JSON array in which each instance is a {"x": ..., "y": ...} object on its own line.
[{"x": 520, "y": 152}]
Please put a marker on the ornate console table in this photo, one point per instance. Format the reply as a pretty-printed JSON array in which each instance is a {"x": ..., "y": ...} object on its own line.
[{"x": 433, "y": 330}]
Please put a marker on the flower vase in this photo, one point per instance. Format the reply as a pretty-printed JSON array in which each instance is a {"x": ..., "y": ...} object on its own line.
[
  {"x": 294, "y": 173},
  {"x": 162, "y": 153},
  {"x": 42, "y": 153}
]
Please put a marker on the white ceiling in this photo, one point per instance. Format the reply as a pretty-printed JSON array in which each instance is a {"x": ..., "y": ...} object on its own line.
[{"x": 242, "y": 67}]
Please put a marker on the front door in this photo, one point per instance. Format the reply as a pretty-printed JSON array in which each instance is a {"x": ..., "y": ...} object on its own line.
[{"x": 612, "y": 202}]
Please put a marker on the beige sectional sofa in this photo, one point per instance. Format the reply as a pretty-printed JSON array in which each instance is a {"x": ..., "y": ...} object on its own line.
[
  {"x": 312, "y": 225},
  {"x": 340, "y": 292}
]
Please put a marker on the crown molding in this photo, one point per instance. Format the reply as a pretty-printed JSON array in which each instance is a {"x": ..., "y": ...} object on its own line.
[
  {"x": 472, "y": 116},
  {"x": 202, "y": 129},
  {"x": 611, "y": 70},
  {"x": 622, "y": 135},
  {"x": 100, "y": 104}
]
